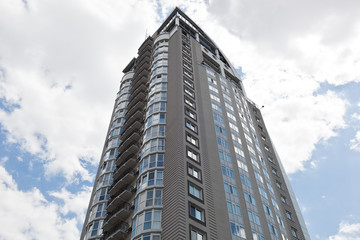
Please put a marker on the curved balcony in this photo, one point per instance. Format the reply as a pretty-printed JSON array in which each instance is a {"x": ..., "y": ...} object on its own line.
[
  {"x": 120, "y": 233},
  {"x": 127, "y": 76},
  {"x": 138, "y": 96},
  {"x": 130, "y": 150},
  {"x": 134, "y": 123},
  {"x": 142, "y": 79},
  {"x": 138, "y": 106},
  {"x": 124, "y": 196},
  {"x": 146, "y": 46},
  {"x": 124, "y": 181},
  {"x": 162, "y": 36},
  {"x": 120, "y": 214},
  {"x": 124, "y": 167},
  {"x": 143, "y": 60},
  {"x": 133, "y": 137}
]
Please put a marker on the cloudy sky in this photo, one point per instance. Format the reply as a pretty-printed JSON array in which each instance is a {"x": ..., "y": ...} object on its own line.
[{"x": 60, "y": 67}]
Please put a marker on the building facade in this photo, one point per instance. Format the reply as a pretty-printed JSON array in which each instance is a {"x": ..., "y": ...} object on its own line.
[{"x": 187, "y": 154}]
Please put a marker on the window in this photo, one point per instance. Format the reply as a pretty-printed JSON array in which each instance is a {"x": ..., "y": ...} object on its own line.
[
  {"x": 223, "y": 143},
  {"x": 152, "y": 161},
  {"x": 293, "y": 232},
  {"x": 225, "y": 156},
  {"x": 218, "y": 118},
  {"x": 216, "y": 107},
  {"x": 220, "y": 130},
  {"x": 246, "y": 181},
  {"x": 270, "y": 159},
  {"x": 267, "y": 148},
  {"x": 249, "y": 198},
  {"x": 263, "y": 193},
  {"x": 273, "y": 230},
  {"x": 237, "y": 230},
  {"x": 288, "y": 215},
  {"x": 258, "y": 177},
  {"x": 215, "y": 98},
  {"x": 257, "y": 236},
  {"x": 233, "y": 208},
  {"x": 278, "y": 184},
  {"x": 147, "y": 220},
  {"x": 189, "y": 102},
  {"x": 242, "y": 165},
  {"x": 195, "y": 191},
  {"x": 189, "y": 92},
  {"x": 275, "y": 204},
  {"x": 193, "y": 155},
  {"x": 188, "y": 82},
  {"x": 230, "y": 189},
  {"x": 254, "y": 218},
  {"x": 227, "y": 172},
  {"x": 196, "y": 234},
  {"x": 274, "y": 171},
  {"x": 270, "y": 188},
  {"x": 194, "y": 172},
  {"x": 190, "y": 113},
  {"x": 148, "y": 198},
  {"x": 214, "y": 89},
  {"x": 196, "y": 212},
  {"x": 267, "y": 210},
  {"x": 151, "y": 178},
  {"x": 191, "y": 139},
  {"x": 283, "y": 199},
  {"x": 190, "y": 125},
  {"x": 96, "y": 228}
]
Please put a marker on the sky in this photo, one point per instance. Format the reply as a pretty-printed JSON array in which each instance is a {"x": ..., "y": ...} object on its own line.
[{"x": 61, "y": 64}]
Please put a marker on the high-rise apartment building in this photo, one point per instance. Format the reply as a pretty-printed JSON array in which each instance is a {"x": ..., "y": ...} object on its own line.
[{"x": 187, "y": 154}]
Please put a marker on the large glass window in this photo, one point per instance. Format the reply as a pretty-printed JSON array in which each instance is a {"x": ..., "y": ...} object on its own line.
[
  {"x": 250, "y": 198},
  {"x": 151, "y": 178},
  {"x": 145, "y": 221},
  {"x": 194, "y": 172},
  {"x": 155, "y": 131},
  {"x": 191, "y": 139},
  {"x": 152, "y": 161},
  {"x": 237, "y": 230},
  {"x": 192, "y": 154},
  {"x": 160, "y": 96},
  {"x": 190, "y": 125},
  {"x": 196, "y": 212},
  {"x": 190, "y": 113},
  {"x": 195, "y": 190},
  {"x": 197, "y": 234},
  {"x": 233, "y": 208},
  {"x": 155, "y": 145},
  {"x": 158, "y": 118},
  {"x": 230, "y": 189}
]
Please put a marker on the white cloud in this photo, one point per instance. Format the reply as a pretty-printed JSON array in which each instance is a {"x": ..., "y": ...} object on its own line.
[
  {"x": 355, "y": 142},
  {"x": 74, "y": 202},
  {"x": 28, "y": 215},
  {"x": 347, "y": 231},
  {"x": 3, "y": 160},
  {"x": 63, "y": 73}
]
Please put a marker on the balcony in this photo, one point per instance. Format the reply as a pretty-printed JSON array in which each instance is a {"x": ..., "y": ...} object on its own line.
[
  {"x": 123, "y": 182},
  {"x": 126, "y": 166},
  {"x": 124, "y": 196},
  {"x": 132, "y": 149},
  {"x": 120, "y": 214},
  {"x": 142, "y": 80},
  {"x": 134, "y": 122},
  {"x": 140, "y": 88},
  {"x": 139, "y": 96},
  {"x": 138, "y": 106},
  {"x": 120, "y": 233}
]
